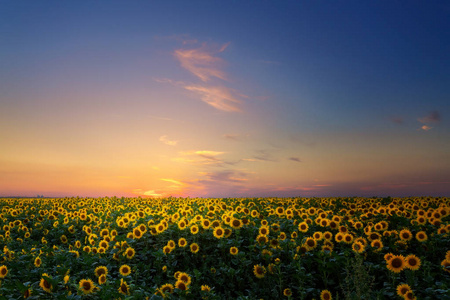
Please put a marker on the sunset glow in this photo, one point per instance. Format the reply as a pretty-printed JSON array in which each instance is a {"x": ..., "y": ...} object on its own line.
[{"x": 213, "y": 99}]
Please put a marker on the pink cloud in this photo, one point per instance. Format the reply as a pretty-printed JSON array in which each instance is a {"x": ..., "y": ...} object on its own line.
[
  {"x": 201, "y": 62},
  {"x": 219, "y": 97}
]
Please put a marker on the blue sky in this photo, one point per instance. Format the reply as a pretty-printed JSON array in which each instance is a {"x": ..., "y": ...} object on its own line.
[{"x": 207, "y": 98}]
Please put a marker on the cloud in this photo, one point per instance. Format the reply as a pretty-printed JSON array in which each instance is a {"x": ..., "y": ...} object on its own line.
[
  {"x": 200, "y": 157},
  {"x": 432, "y": 117},
  {"x": 426, "y": 128},
  {"x": 176, "y": 182},
  {"x": 397, "y": 120},
  {"x": 263, "y": 155},
  {"x": 149, "y": 193},
  {"x": 295, "y": 159},
  {"x": 219, "y": 97},
  {"x": 166, "y": 141},
  {"x": 224, "y": 176},
  {"x": 208, "y": 154},
  {"x": 233, "y": 137},
  {"x": 201, "y": 61}
]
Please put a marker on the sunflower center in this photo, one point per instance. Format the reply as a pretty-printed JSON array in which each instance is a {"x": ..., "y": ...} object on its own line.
[
  {"x": 47, "y": 284},
  {"x": 396, "y": 263},
  {"x": 412, "y": 262}
]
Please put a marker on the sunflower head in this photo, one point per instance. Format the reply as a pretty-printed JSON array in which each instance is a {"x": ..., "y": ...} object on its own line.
[
  {"x": 396, "y": 264},
  {"x": 44, "y": 284},
  {"x": 124, "y": 288},
  {"x": 101, "y": 270},
  {"x": 259, "y": 271},
  {"x": 412, "y": 262},
  {"x": 125, "y": 270},
  {"x": 86, "y": 286},
  {"x": 325, "y": 295},
  {"x": 402, "y": 289}
]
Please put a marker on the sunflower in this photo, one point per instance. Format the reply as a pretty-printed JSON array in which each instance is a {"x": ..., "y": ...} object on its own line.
[
  {"x": 184, "y": 277},
  {"x": 447, "y": 255},
  {"x": 125, "y": 270},
  {"x": 388, "y": 256},
  {"x": 129, "y": 253},
  {"x": 236, "y": 224},
  {"x": 167, "y": 249},
  {"x": 318, "y": 235},
  {"x": 44, "y": 284},
  {"x": 287, "y": 292},
  {"x": 234, "y": 251},
  {"x": 358, "y": 247},
  {"x": 86, "y": 286},
  {"x": 171, "y": 244},
  {"x": 310, "y": 243},
  {"x": 303, "y": 227},
  {"x": 405, "y": 235},
  {"x": 264, "y": 230},
  {"x": 181, "y": 285},
  {"x": 166, "y": 288},
  {"x": 259, "y": 271},
  {"x": 3, "y": 271},
  {"x": 421, "y": 236},
  {"x": 194, "y": 229},
  {"x": 328, "y": 235},
  {"x": 101, "y": 270},
  {"x": 339, "y": 237},
  {"x": 37, "y": 262},
  {"x": 182, "y": 242},
  {"x": 219, "y": 232},
  {"x": 137, "y": 233},
  {"x": 206, "y": 223},
  {"x": 206, "y": 288},
  {"x": 182, "y": 224},
  {"x": 348, "y": 238},
  {"x": 124, "y": 288},
  {"x": 396, "y": 264},
  {"x": 102, "y": 279},
  {"x": 194, "y": 247},
  {"x": 27, "y": 293},
  {"x": 402, "y": 289},
  {"x": 409, "y": 296},
  {"x": 377, "y": 245},
  {"x": 279, "y": 211},
  {"x": 412, "y": 262},
  {"x": 325, "y": 295},
  {"x": 446, "y": 265}
]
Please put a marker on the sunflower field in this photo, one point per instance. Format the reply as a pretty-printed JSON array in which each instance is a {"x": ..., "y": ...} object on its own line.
[{"x": 231, "y": 248}]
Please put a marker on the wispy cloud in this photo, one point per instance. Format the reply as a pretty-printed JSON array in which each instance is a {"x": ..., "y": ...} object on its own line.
[
  {"x": 219, "y": 97},
  {"x": 296, "y": 159},
  {"x": 236, "y": 137},
  {"x": 224, "y": 176},
  {"x": 263, "y": 155},
  {"x": 166, "y": 141},
  {"x": 201, "y": 61},
  {"x": 176, "y": 182},
  {"x": 149, "y": 193},
  {"x": 200, "y": 157},
  {"x": 432, "y": 117}
]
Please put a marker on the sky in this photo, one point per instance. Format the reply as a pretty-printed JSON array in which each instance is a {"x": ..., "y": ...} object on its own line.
[{"x": 224, "y": 98}]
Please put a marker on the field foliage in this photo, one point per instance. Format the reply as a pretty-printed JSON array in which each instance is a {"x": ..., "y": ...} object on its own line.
[{"x": 236, "y": 248}]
